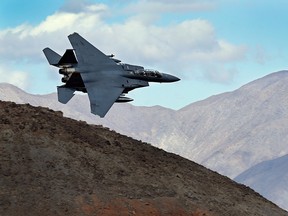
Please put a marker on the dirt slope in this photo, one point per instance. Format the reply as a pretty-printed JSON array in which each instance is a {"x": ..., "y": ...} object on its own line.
[{"x": 50, "y": 165}]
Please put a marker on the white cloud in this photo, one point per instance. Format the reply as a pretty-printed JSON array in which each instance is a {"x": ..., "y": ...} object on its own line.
[
  {"x": 18, "y": 78},
  {"x": 178, "y": 46},
  {"x": 54, "y": 23}
]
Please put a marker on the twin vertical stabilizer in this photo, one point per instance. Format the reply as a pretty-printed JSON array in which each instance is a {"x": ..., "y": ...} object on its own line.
[
  {"x": 52, "y": 57},
  {"x": 67, "y": 60},
  {"x": 64, "y": 62}
]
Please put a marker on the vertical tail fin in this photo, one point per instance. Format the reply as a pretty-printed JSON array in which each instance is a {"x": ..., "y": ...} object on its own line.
[{"x": 52, "y": 57}]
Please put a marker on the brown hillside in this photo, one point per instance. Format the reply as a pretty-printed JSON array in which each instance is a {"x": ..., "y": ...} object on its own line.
[{"x": 50, "y": 165}]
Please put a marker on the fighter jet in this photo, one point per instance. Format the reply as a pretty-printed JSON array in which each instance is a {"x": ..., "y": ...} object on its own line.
[{"x": 104, "y": 78}]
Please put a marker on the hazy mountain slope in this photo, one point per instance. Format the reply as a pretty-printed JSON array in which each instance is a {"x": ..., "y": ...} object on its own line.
[
  {"x": 234, "y": 131},
  {"x": 52, "y": 165},
  {"x": 269, "y": 178}
]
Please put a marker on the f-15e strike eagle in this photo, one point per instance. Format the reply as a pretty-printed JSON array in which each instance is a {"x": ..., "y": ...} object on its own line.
[{"x": 104, "y": 78}]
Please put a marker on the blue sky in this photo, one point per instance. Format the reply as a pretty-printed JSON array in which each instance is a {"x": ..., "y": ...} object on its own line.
[{"x": 214, "y": 46}]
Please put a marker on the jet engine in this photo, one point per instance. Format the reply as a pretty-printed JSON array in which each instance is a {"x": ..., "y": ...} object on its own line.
[
  {"x": 66, "y": 70},
  {"x": 65, "y": 79}
]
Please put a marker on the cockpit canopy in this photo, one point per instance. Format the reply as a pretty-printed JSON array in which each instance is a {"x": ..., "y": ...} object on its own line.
[
  {"x": 140, "y": 71},
  {"x": 148, "y": 73}
]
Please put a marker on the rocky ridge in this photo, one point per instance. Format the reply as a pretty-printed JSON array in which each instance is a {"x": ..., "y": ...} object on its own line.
[{"x": 50, "y": 165}]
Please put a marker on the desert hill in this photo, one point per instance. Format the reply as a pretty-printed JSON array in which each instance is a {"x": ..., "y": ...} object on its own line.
[
  {"x": 229, "y": 132},
  {"x": 50, "y": 165}
]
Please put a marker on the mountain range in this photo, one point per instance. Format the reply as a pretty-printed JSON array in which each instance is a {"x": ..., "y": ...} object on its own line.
[
  {"x": 50, "y": 165},
  {"x": 228, "y": 133}
]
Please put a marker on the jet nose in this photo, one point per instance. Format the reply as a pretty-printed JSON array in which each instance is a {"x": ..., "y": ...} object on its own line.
[
  {"x": 171, "y": 78},
  {"x": 175, "y": 79}
]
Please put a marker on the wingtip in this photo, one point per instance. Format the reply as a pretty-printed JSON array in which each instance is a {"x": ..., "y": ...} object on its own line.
[
  {"x": 96, "y": 111},
  {"x": 45, "y": 49},
  {"x": 74, "y": 33}
]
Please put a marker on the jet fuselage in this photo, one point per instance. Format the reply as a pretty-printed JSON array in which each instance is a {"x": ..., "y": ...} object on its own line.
[{"x": 73, "y": 79}]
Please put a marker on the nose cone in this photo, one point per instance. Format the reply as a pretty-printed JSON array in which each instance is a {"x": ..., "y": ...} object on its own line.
[{"x": 171, "y": 78}]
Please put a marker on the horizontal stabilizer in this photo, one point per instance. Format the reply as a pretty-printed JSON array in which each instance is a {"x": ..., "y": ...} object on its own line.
[
  {"x": 52, "y": 57},
  {"x": 64, "y": 94}
]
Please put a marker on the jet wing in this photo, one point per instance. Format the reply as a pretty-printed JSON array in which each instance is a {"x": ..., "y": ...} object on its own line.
[
  {"x": 102, "y": 96},
  {"x": 87, "y": 53},
  {"x": 97, "y": 71}
]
